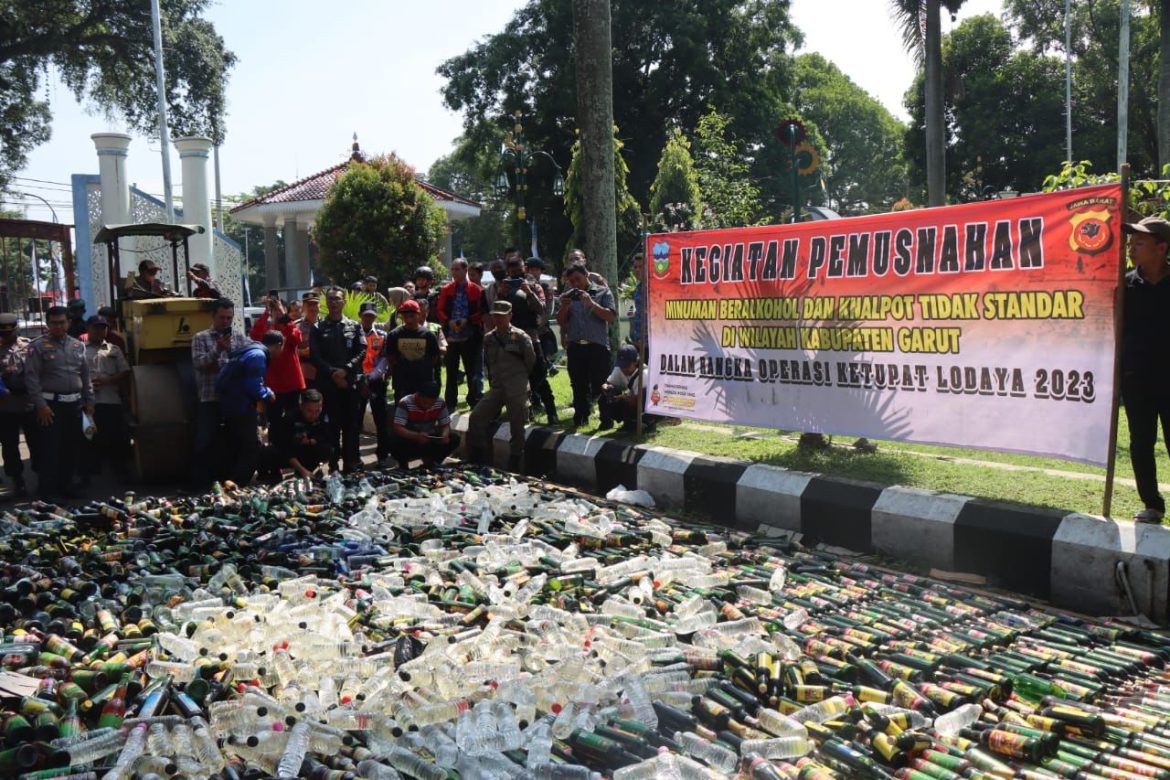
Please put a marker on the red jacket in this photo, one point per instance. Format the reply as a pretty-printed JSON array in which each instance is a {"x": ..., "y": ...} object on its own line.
[
  {"x": 284, "y": 370},
  {"x": 447, "y": 303}
]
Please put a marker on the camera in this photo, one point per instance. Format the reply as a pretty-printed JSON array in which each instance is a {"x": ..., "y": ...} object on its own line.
[
  {"x": 515, "y": 281},
  {"x": 575, "y": 295}
]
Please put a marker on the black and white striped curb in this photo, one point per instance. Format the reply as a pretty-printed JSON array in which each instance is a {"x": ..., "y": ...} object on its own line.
[{"x": 1081, "y": 562}]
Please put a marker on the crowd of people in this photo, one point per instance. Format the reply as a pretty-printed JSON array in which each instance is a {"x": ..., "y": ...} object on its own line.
[{"x": 305, "y": 378}]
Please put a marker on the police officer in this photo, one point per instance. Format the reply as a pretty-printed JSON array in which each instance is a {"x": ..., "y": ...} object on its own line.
[
  {"x": 337, "y": 349},
  {"x": 57, "y": 378},
  {"x": 16, "y": 409},
  {"x": 509, "y": 358},
  {"x": 375, "y": 337}
]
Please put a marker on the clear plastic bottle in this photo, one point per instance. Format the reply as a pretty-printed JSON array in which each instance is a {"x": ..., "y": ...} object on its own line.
[
  {"x": 706, "y": 751},
  {"x": 182, "y": 740},
  {"x": 134, "y": 747},
  {"x": 549, "y": 771},
  {"x": 180, "y": 672},
  {"x": 158, "y": 740},
  {"x": 206, "y": 750},
  {"x": 778, "y": 578},
  {"x": 178, "y": 647},
  {"x": 635, "y": 692},
  {"x": 951, "y": 723},
  {"x": 540, "y": 739},
  {"x": 442, "y": 746},
  {"x": 411, "y": 764},
  {"x": 294, "y": 750},
  {"x": 779, "y": 724},
  {"x": 373, "y": 770},
  {"x": 507, "y": 725},
  {"x": 777, "y": 747},
  {"x": 695, "y": 622},
  {"x": 823, "y": 710},
  {"x": 97, "y": 746}
]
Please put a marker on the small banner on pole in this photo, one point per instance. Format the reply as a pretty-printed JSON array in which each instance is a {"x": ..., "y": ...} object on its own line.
[{"x": 983, "y": 325}]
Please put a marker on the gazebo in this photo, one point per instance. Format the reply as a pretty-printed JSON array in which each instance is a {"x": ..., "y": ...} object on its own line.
[{"x": 294, "y": 207}]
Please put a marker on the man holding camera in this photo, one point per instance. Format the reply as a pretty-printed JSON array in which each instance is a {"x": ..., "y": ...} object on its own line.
[
  {"x": 584, "y": 316},
  {"x": 209, "y": 353},
  {"x": 338, "y": 348},
  {"x": 527, "y": 300}
]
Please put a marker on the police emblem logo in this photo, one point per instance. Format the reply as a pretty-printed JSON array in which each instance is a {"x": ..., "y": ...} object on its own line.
[{"x": 1091, "y": 232}]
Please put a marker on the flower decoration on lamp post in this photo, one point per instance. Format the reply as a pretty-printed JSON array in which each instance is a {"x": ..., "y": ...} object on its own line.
[{"x": 516, "y": 155}]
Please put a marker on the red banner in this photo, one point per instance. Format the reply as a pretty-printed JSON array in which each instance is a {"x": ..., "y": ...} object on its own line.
[{"x": 982, "y": 325}]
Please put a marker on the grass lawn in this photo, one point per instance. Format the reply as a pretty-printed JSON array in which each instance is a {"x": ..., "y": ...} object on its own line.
[{"x": 901, "y": 463}]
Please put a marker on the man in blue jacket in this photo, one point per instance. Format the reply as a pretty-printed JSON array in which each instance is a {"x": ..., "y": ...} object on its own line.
[{"x": 241, "y": 387}]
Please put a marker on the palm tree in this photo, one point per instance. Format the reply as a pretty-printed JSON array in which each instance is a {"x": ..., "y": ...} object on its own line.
[{"x": 922, "y": 35}]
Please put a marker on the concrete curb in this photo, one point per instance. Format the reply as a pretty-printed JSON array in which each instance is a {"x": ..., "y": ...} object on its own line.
[{"x": 1069, "y": 559}]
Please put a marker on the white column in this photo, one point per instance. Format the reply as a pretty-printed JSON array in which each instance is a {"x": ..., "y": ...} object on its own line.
[
  {"x": 291, "y": 249},
  {"x": 271, "y": 259},
  {"x": 112, "y": 149},
  {"x": 302, "y": 254},
  {"x": 194, "y": 152}
]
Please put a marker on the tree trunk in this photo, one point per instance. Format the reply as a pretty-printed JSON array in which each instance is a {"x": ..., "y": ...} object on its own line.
[
  {"x": 1164, "y": 87},
  {"x": 936, "y": 174},
  {"x": 594, "y": 59}
]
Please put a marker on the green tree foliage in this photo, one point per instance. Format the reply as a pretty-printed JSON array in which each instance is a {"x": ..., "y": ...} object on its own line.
[
  {"x": 671, "y": 59},
  {"x": 102, "y": 51},
  {"x": 674, "y": 194},
  {"x": 469, "y": 170},
  {"x": 377, "y": 220},
  {"x": 629, "y": 214},
  {"x": 723, "y": 171},
  {"x": 1146, "y": 197},
  {"x": 1004, "y": 106},
  {"x": 1095, "y": 34},
  {"x": 861, "y": 156}
]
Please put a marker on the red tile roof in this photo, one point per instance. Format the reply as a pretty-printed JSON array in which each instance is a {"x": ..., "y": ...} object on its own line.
[{"x": 316, "y": 187}]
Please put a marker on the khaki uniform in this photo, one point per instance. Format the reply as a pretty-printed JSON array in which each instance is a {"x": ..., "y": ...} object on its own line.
[{"x": 509, "y": 359}]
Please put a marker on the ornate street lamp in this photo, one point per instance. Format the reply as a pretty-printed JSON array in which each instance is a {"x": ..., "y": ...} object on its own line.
[{"x": 516, "y": 155}]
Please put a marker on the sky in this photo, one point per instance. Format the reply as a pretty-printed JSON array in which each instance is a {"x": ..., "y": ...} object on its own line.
[{"x": 306, "y": 81}]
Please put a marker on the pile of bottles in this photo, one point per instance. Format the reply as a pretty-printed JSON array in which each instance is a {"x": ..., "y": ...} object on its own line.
[{"x": 462, "y": 624}]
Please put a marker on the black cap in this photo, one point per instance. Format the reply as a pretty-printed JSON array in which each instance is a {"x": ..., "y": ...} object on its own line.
[
  {"x": 97, "y": 319},
  {"x": 369, "y": 307},
  {"x": 8, "y": 320},
  {"x": 373, "y": 279},
  {"x": 535, "y": 261}
]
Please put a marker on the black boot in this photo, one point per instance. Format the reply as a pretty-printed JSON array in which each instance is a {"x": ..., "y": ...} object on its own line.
[{"x": 550, "y": 406}]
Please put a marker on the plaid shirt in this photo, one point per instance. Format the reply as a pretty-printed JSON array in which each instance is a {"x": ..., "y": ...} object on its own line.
[{"x": 204, "y": 354}]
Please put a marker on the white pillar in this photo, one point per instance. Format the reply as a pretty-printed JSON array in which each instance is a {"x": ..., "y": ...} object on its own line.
[
  {"x": 303, "y": 254},
  {"x": 194, "y": 152},
  {"x": 112, "y": 149},
  {"x": 271, "y": 258},
  {"x": 291, "y": 249}
]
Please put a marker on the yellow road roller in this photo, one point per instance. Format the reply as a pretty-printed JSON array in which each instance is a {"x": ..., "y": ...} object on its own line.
[{"x": 158, "y": 339}]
